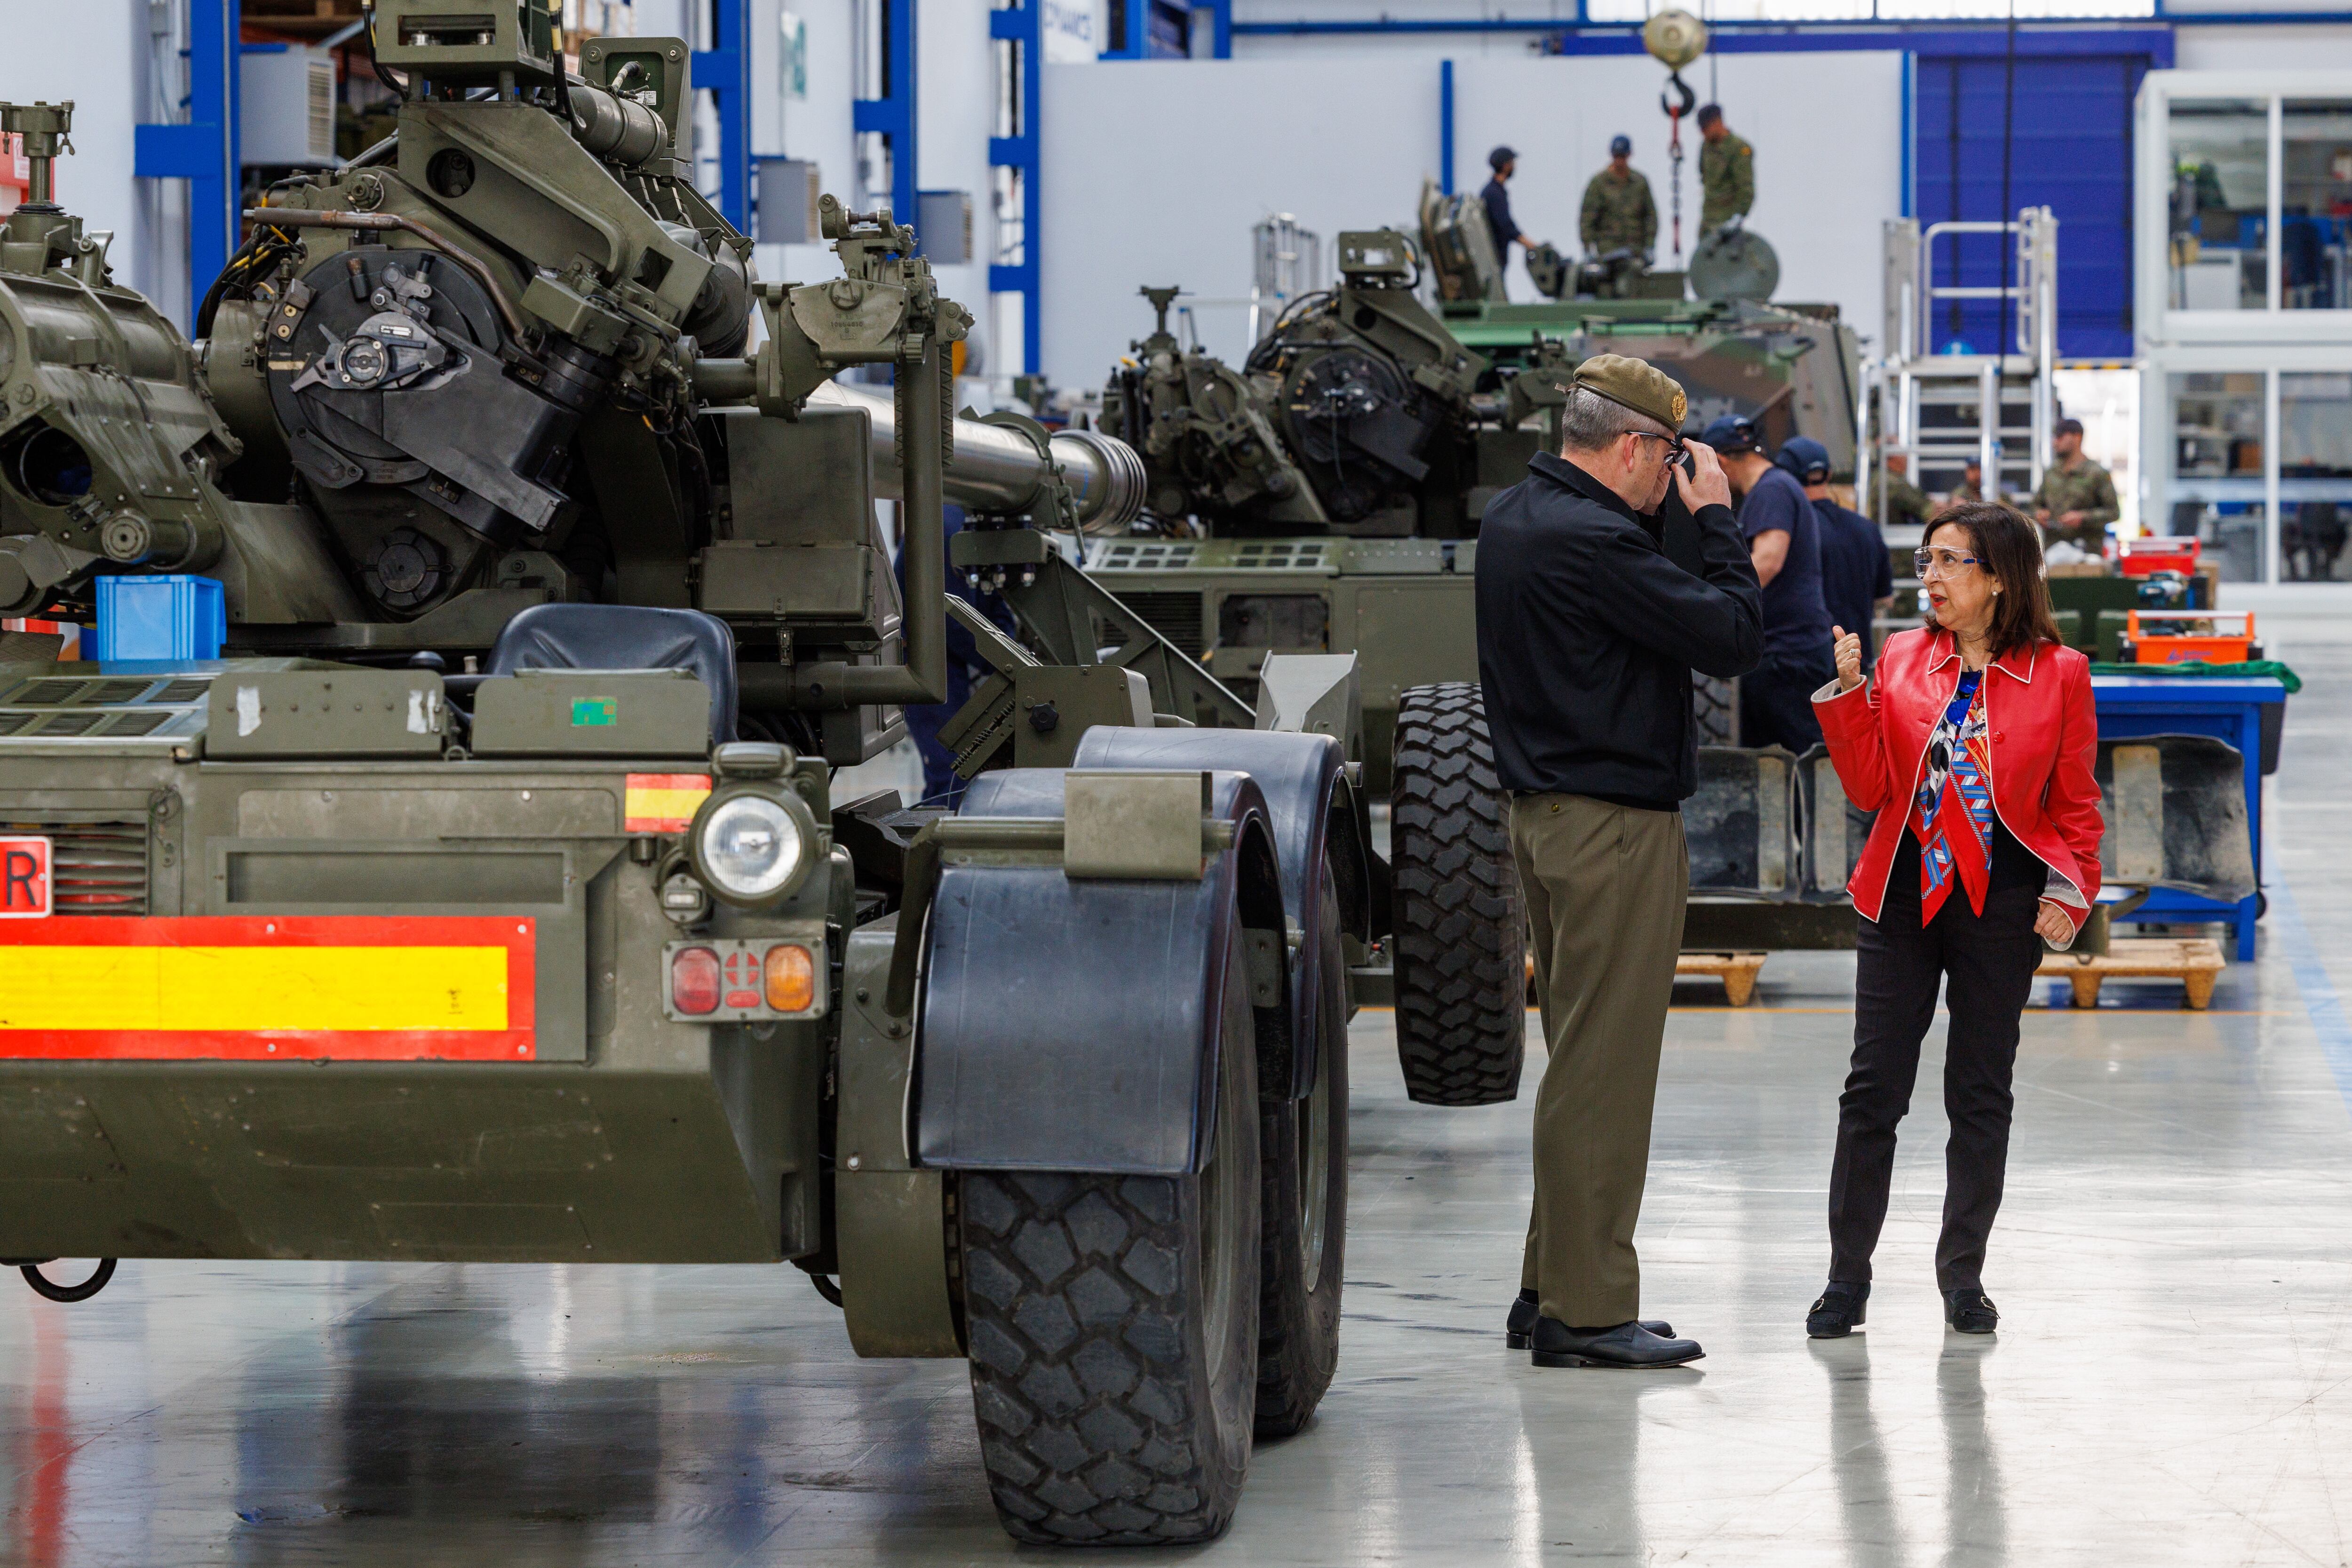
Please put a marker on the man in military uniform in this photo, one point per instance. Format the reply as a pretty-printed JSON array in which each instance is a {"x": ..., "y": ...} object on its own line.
[
  {"x": 1906, "y": 504},
  {"x": 2077, "y": 500},
  {"x": 1619, "y": 214},
  {"x": 1971, "y": 485},
  {"x": 1727, "y": 172}
]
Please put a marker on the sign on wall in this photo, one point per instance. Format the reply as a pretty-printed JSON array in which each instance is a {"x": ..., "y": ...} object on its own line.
[
  {"x": 1073, "y": 30},
  {"x": 791, "y": 59}
]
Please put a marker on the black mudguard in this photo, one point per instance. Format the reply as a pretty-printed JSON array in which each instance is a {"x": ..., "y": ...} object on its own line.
[
  {"x": 1075, "y": 1025},
  {"x": 1302, "y": 778}
]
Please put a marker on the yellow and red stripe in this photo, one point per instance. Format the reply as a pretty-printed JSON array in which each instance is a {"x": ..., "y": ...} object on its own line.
[
  {"x": 269, "y": 987},
  {"x": 662, "y": 803}
]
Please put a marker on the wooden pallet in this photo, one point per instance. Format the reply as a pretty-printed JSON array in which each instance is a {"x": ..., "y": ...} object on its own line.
[
  {"x": 2195, "y": 961},
  {"x": 1735, "y": 970}
]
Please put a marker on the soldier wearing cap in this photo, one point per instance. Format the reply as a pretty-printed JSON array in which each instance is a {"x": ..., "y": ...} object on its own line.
[
  {"x": 1906, "y": 503},
  {"x": 1588, "y": 635},
  {"x": 1497, "y": 199},
  {"x": 1619, "y": 214},
  {"x": 1727, "y": 172},
  {"x": 2077, "y": 500}
]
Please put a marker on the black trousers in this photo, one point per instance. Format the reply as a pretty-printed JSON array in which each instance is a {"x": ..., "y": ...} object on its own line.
[
  {"x": 1990, "y": 959},
  {"x": 1776, "y": 699}
]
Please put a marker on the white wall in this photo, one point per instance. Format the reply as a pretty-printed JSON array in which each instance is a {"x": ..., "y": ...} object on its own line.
[
  {"x": 2313, "y": 48},
  {"x": 1128, "y": 203},
  {"x": 1345, "y": 143},
  {"x": 95, "y": 54}
]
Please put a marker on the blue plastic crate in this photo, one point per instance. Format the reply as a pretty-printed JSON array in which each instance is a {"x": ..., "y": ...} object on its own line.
[{"x": 160, "y": 618}]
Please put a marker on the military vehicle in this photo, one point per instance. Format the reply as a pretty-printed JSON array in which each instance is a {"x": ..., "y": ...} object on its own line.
[
  {"x": 488, "y": 898},
  {"x": 1325, "y": 497}
]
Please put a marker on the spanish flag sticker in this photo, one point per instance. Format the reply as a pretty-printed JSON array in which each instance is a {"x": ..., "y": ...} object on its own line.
[{"x": 662, "y": 803}]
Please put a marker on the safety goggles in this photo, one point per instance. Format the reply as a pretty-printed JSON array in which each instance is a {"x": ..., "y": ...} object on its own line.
[{"x": 1939, "y": 562}]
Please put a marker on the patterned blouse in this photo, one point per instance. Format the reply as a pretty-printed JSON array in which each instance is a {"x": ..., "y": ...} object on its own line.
[{"x": 1952, "y": 816}]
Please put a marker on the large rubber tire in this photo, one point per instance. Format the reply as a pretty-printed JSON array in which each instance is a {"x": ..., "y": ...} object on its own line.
[
  {"x": 1461, "y": 925},
  {"x": 1114, "y": 1325},
  {"x": 1303, "y": 1154}
]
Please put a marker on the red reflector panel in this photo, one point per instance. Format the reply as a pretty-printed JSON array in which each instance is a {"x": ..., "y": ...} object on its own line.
[
  {"x": 268, "y": 987},
  {"x": 742, "y": 983},
  {"x": 24, "y": 892},
  {"x": 791, "y": 979},
  {"x": 694, "y": 981}
]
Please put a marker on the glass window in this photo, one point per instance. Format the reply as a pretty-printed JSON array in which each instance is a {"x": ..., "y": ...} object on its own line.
[
  {"x": 2216, "y": 466},
  {"x": 2314, "y": 205},
  {"x": 2315, "y": 474},
  {"x": 2221, "y": 204}
]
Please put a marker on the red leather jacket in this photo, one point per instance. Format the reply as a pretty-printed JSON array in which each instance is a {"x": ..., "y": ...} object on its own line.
[{"x": 2044, "y": 735}]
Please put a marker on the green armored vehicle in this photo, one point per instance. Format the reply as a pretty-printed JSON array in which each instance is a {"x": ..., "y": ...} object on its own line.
[{"x": 489, "y": 896}]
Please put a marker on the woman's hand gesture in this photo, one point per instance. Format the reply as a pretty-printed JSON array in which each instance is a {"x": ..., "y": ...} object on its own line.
[{"x": 1849, "y": 657}]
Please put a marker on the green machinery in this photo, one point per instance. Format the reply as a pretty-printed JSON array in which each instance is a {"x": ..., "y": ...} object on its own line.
[{"x": 490, "y": 896}]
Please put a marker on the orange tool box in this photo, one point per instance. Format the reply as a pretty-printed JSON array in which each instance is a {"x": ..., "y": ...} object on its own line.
[
  {"x": 2190, "y": 636},
  {"x": 2140, "y": 557}
]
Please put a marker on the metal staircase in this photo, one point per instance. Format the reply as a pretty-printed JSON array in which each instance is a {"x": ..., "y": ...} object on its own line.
[{"x": 1944, "y": 410}]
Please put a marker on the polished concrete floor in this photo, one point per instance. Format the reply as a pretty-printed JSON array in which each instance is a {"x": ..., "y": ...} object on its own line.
[{"x": 2172, "y": 1382}]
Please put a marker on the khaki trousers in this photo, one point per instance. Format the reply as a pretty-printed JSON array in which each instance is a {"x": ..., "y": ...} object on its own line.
[{"x": 1605, "y": 886}]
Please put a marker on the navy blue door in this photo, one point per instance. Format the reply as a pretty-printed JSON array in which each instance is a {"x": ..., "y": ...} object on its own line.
[{"x": 2070, "y": 149}]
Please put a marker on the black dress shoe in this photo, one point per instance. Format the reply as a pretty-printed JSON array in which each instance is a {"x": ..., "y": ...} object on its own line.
[
  {"x": 1839, "y": 1311},
  {"x": 1529, "y": 1307},
  {"x": 1971, "y": 1311},
  {"x": 1554, "y": 1344}
]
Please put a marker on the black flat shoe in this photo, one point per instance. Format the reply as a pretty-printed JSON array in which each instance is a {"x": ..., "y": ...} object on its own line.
[
  {"x": 1554, "y": 1344},
  {"x": 1839, "y": 1311},
  {"x": 1524, "y": 1311},
  {"x": 1971, "y": 1311}
]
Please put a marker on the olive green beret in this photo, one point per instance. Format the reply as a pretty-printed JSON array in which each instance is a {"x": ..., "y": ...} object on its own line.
[{"x": 1636, "y": 384}]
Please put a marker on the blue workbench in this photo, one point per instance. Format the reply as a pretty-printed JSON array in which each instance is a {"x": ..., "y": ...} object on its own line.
[{"x": 2131, "y": 706}]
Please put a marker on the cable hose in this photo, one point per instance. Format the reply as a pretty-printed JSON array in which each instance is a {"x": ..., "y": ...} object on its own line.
[{"x": 42, "y": 1284}]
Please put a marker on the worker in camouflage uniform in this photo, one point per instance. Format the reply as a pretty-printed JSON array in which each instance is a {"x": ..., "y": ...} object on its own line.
[
  {"x": 1727, "y": 172},
  {"x": 1619, "y": 214},
  {"x": 1906, "y": 504},
  {"x": 2077, "y": 500}
]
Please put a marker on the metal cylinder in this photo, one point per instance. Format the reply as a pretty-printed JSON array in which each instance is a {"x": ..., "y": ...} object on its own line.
[
  {"x": 996, "y": 469},
  {"x": 618, "y": 130}
]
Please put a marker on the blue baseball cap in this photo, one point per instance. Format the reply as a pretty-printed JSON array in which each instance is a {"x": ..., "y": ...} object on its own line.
[
  {"x": 1620, "y": 147},
  {"x": 1805, "y": 458},
  {"x": 1732, "y": 433}
]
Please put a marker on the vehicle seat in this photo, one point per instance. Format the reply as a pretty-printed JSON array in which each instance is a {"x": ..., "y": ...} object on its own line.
[{"x": 624, "y": 637}]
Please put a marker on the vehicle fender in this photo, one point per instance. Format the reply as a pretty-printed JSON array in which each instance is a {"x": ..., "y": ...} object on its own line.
[
  {"x": 1313, "y": 810},
  {"x": 1075, "y": 1025}
]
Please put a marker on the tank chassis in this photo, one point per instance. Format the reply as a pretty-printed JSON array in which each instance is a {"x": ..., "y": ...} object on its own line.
[{"x": 324, "y": 948}]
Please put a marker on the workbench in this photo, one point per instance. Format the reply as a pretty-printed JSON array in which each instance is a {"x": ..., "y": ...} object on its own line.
[{"x": 2231, "y": 710}]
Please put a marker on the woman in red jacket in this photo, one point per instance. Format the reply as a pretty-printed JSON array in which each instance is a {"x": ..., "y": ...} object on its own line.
[{"x": 1974, "y": 742}]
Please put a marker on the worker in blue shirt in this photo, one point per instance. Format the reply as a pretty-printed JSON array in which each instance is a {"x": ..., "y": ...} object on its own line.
[
  {"x": 1503, "y": 160},
  {"x": 1784, "y": 543}
]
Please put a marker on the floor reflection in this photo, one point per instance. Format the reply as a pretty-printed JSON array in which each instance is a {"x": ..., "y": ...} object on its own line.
[
  {"x": 1584, "y": 1442},
  {"x": 1874, "y": 1532},
  {"x": 1976, "y": 1510}
]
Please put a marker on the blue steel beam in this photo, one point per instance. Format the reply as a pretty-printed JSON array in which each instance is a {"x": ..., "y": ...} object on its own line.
[
  {"x": 1018, "y": 25},
  {"x": 1946, "y": 38},
  {"x": 893, "y": 113},
  {"x": 725, "y": 68},
  {"x": 204, "y": 151}
]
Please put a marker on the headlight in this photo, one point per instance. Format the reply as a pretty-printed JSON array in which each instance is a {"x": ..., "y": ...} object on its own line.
[{"x": 752, "y": 848}]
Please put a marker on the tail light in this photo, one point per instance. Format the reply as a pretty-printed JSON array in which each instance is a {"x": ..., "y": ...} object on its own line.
[
  {"x": 694, "y": 987},
  {"x": 791, "y": 979}
]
